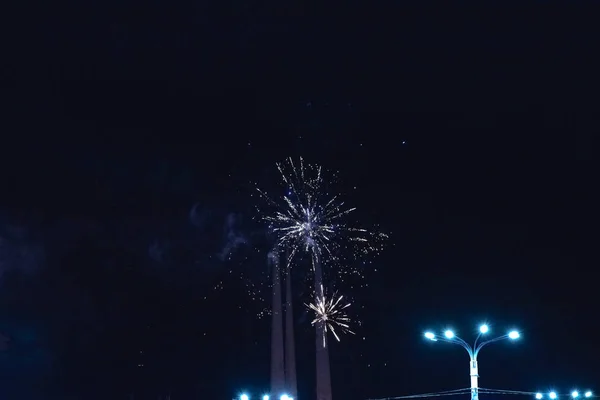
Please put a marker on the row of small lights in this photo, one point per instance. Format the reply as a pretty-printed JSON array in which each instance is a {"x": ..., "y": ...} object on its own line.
[
  {"x": 553, "y": 395},
  {"x": 266, "y": 397}
]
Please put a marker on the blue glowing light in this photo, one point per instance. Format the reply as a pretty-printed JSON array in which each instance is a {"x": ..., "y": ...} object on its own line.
[
  {"x": 553, "y": 395},
  {"x": 538, "y": 396},
  {"x": 514, "y": 335},
  {"x": 588, "y": 394},
  {"x": 484, "y": 328},
  {"x": 266, "y": 397},
  {"x": 429, "y": 335},
  {"x": 244, "y": 397},
  {"x": 449, "y": 334},
  {"x": 284, "y": 397}
]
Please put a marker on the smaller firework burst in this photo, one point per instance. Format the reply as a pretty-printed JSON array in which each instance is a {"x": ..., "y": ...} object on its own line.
[{"x": 331, "y": 313}]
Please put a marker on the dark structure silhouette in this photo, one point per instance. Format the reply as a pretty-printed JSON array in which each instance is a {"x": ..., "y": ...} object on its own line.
[
  {"x": 277, "y": 349},
  {"x": 323, "y": 372},
  {"x": 283, "y": 355},
  {"x": 290, "y": 346}
]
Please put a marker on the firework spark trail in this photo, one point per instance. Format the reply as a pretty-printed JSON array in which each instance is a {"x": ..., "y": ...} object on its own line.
[
  {"x": 331, "y": 313},
  {"x": 306, "y": 218}
]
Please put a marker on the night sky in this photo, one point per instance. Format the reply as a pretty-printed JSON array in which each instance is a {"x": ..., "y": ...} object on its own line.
[{"x": 132, "y": 133}]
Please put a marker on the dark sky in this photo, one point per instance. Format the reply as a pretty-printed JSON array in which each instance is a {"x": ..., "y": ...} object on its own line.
[{"x": 468, "y": 133}]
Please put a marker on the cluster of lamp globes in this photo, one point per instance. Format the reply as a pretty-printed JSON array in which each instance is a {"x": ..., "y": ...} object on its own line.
[
  {"x": 266, "y": 397},
  {"x": 574, "y": 395},
  {"x": 483, "y": 329}
]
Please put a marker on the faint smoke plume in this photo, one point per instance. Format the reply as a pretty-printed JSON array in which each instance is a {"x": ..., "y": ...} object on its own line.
[
  {"x": 3, "y": 342},
  {"x": 18, "y": 250},
  {"x": 156, "y": 251},
  {"x": 197, "y": 216},
  {"x": 234, "y": 238}
]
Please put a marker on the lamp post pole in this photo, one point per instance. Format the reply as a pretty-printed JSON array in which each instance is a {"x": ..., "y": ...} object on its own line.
[{"x": 473, "y": 350}]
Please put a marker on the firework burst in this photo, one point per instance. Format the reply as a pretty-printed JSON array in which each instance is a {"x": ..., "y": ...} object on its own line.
[
  {"x": 305, "y": 217},
  {"x": 330, "y": 312}
]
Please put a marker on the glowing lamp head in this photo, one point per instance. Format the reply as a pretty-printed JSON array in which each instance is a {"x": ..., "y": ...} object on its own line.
[
  {"x": 266, "y": 397},
  {"x": 484, "y": 328},
  {"x": 284, "y": 397},
  {"x": 539, "y": 396},
  {"x": 244, "y": 397},
  {"x": 449, "y": 334},
  {"x": 429, "y": 335},
  {"x": 574, "y": 394},
  {"x": 588, "y": 394},
  {"x": 514, "y": 335},
  {"x": 553, "y": 395}
]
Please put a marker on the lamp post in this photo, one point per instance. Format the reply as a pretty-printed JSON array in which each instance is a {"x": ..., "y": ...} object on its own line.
[{"x": 473, "y": 351}]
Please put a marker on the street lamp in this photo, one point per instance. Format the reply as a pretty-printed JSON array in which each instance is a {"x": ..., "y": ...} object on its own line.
[{"x": 450, "y": 337}]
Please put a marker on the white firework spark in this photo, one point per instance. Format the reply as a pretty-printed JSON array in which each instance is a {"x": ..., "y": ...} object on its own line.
[
  {"x": 331, "y": 314},
  {"x": 306, "y": 218}
]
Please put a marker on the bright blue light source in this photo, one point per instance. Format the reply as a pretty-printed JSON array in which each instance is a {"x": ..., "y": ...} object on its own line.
[
  {"x": 588, "y": 394},
  {"x": 553, "y": 395},
  {"x": 514, "y": 335},
  {"x": 484, "y": 328},
  {"x": 244, "y": 397},
  {"x": 574, "y": 394},
  {"x": 266, "y": 397},
  {"x": 449, "y": 334},
  {"x": 538, "y": 396},
  {"x": 429, "y": 335},
  {"x": 284, "y": 397}
]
